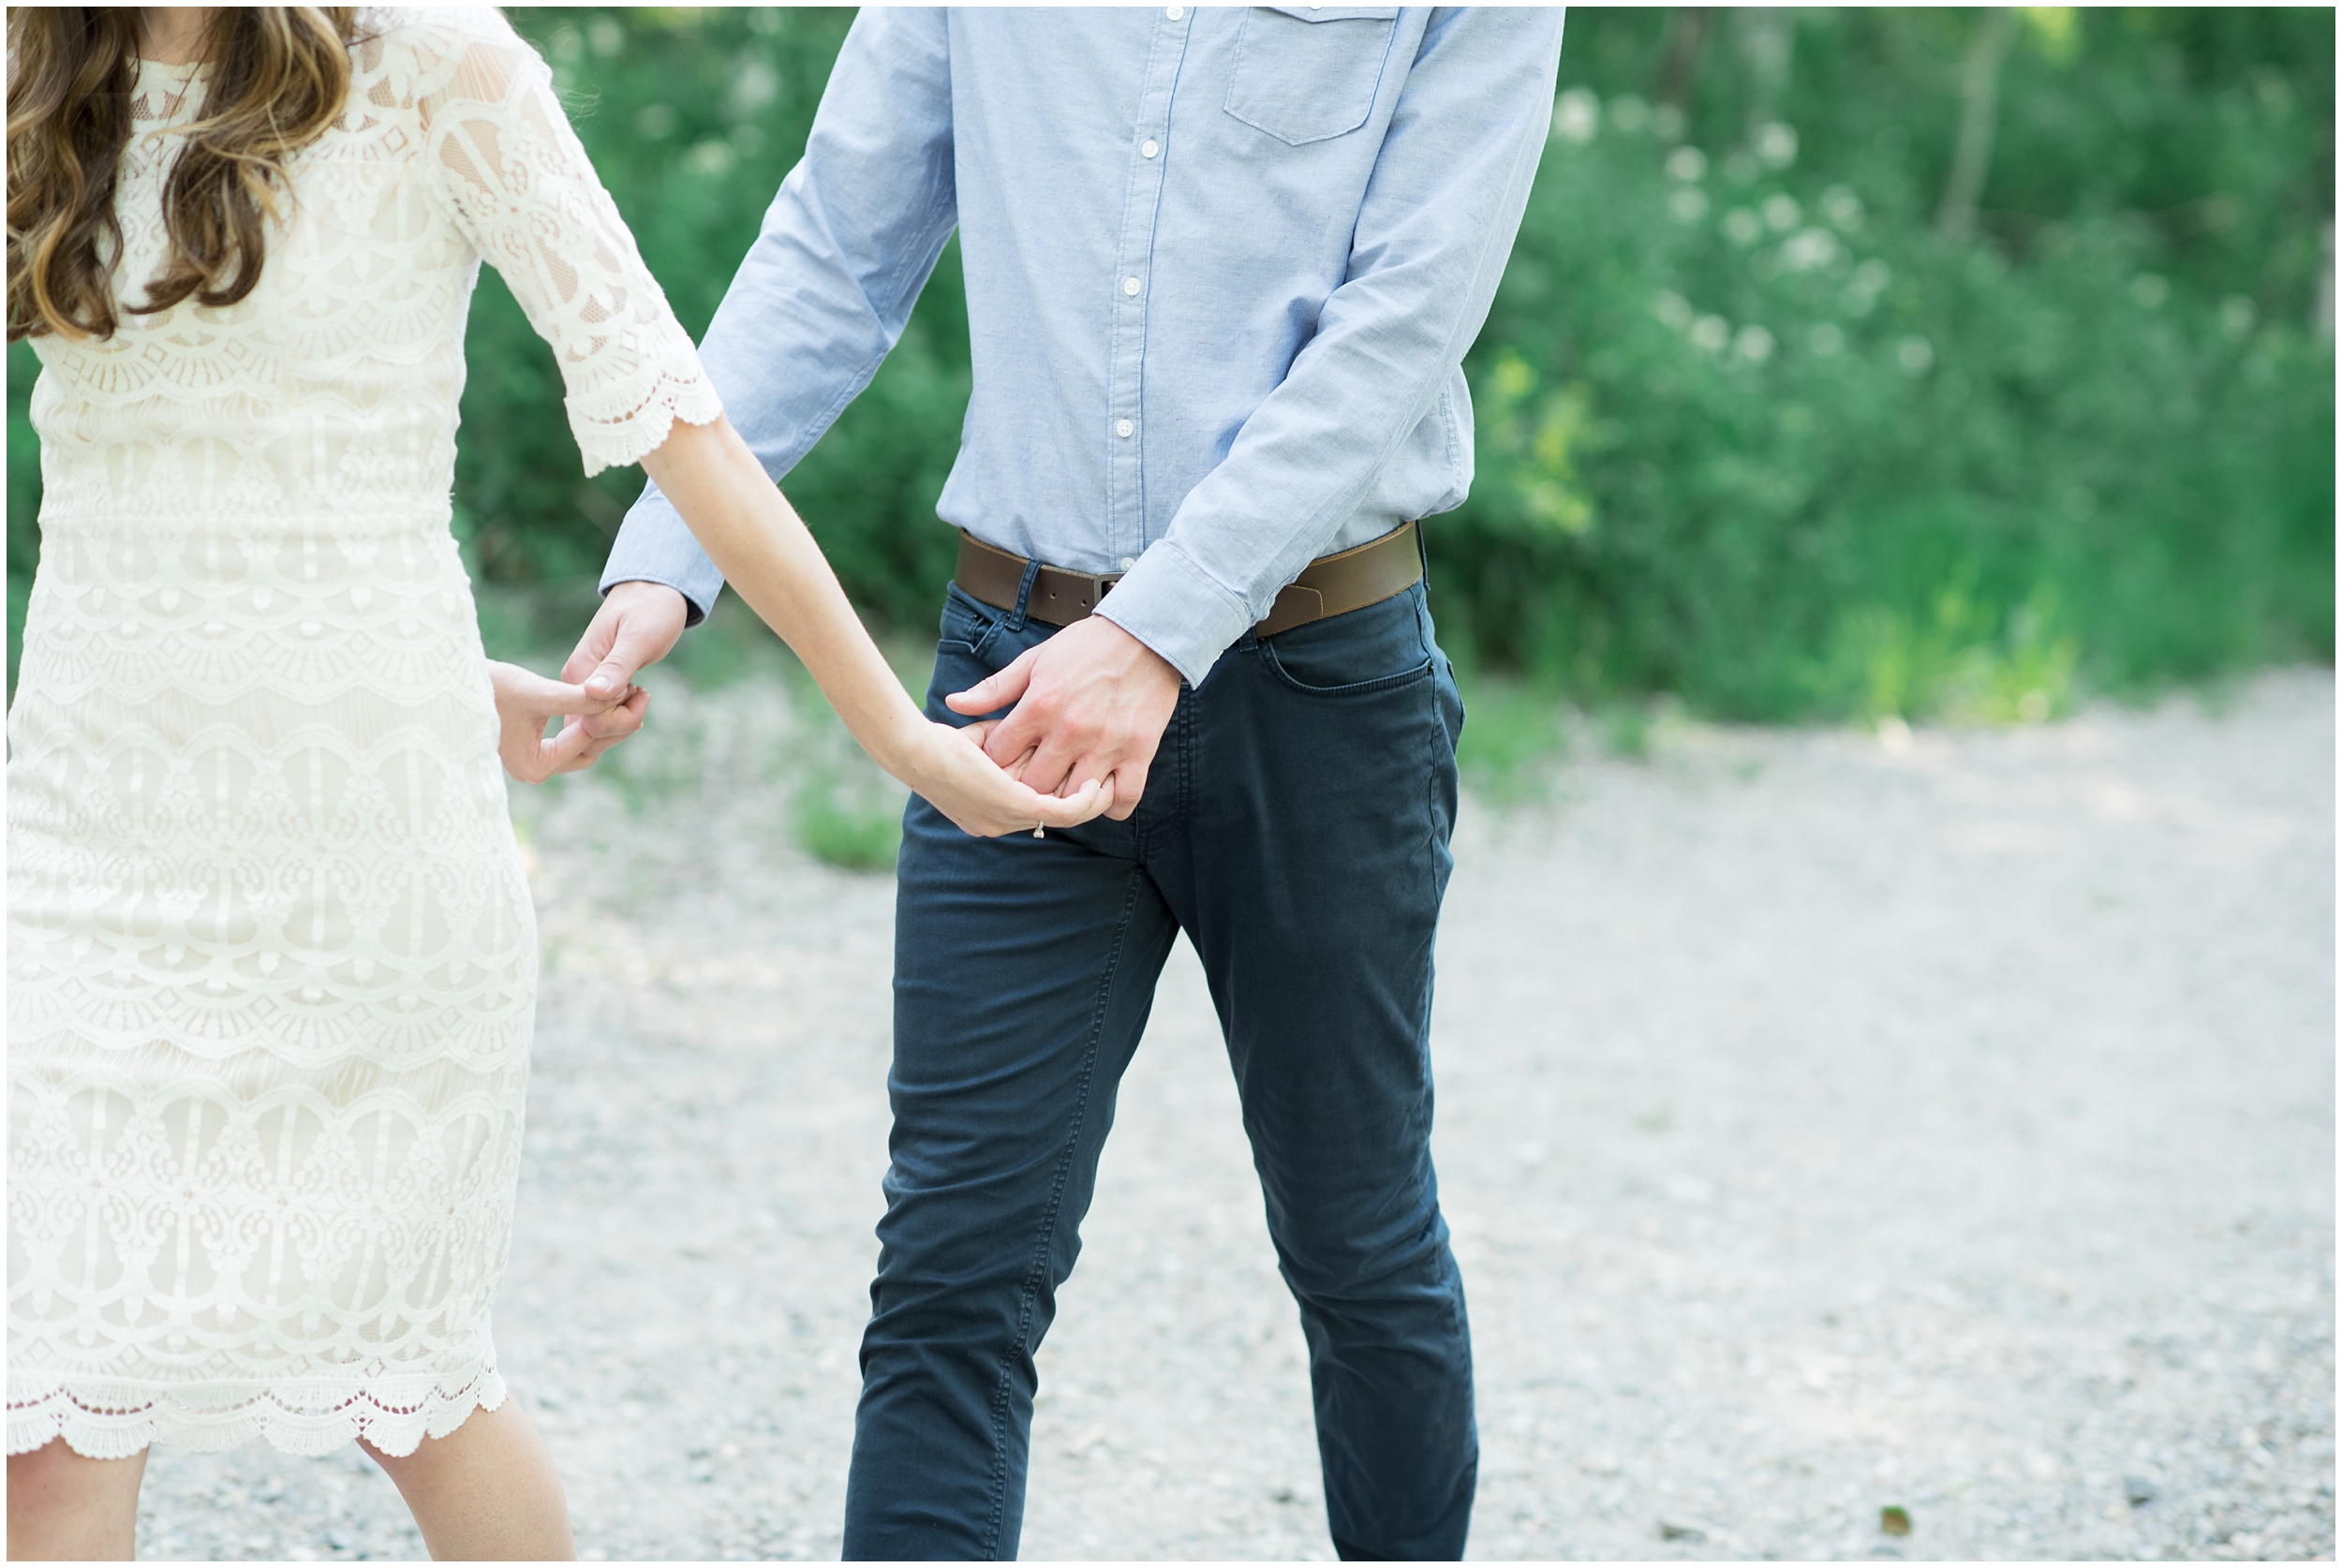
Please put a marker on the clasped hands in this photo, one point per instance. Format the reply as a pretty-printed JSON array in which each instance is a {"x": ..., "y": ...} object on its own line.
[
  {"x": 1086, "y": 712},
  {"x": 526, "y": 700}
]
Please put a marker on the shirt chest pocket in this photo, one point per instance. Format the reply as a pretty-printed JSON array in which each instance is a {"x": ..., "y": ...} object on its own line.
[{"x": 1306, "y": 73}]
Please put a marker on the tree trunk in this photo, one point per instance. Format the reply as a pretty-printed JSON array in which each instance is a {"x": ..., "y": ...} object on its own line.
[
  {"x": 1980, "y": 90},
  {"x": 2321, "y": 307},
  {"x": 1767, "y": 36},
  {"x": 1687, "y": 42}
]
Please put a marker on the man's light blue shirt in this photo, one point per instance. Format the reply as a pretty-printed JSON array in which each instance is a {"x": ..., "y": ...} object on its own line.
[{"x": 1223, "y": 266}]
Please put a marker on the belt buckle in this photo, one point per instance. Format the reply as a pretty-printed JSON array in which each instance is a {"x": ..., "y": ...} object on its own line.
[
  {"x": 1088, "y": 589},
  {"x": 1099, "y": 585}
]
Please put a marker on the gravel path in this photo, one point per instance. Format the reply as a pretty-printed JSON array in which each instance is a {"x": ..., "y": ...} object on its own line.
[{"x": 1826, "y": 1127}]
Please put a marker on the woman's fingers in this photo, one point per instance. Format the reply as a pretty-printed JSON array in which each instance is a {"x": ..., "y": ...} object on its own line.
[
  {"x": 552, "y": 697},
  {"x": 1047, "y": 811},
  {"x": 981, "y": 733},
  {"x": 604, "y": 731},
  {"x": 981, "y": 799},
  {"x": 525, "y": 701},
  {"x": 560, "y": 753},
  {"x": 526, "y": 691},
  {"x": 1072, "y": 811}
]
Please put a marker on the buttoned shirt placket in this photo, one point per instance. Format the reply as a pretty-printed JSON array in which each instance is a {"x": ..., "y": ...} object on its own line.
[{"x": 1132, "y": 280}]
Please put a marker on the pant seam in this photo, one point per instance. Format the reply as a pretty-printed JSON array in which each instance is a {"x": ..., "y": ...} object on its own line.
[
  {"x": 1173, "y": 766},
  {"x": 1039, "y": 1271}
]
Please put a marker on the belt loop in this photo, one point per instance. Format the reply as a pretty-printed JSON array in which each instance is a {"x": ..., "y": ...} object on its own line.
[{"x": 1024, "y": 596}]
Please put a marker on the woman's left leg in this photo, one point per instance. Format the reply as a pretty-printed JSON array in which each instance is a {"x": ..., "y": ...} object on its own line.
[
  {"x": 485, "y": 1492},
  {"x": 64, "y": 1506}
]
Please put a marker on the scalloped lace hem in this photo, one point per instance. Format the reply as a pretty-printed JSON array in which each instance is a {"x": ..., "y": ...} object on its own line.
[
  {"x": 623, "y": 424},
  {"x": 102, "y": 1419}
]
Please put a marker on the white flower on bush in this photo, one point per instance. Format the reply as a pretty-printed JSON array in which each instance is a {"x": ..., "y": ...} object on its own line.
[
  {"x": 1753, "y": 344},
  {"x": 1629, "y": 113},
  {"x": 1808, "y": 248},
  {"x": 2150, "y": 291},
  {"x": 1914, "y": 354},
  {"x": 1782, "y": 213},
  {"x": 1825, "y": 339},
  {"x": 1743, "y": 227},
  {"x": 757, "y": 85},
  {"x": 1672, "y": 308},
  {"x": 1862, "y": 292},
  {"x": 1712, "y": 332},
  {"x": 1777, "y": 145},
  {"x": 1843, "y": 208},
  {"x": 1687, "y": 163},
  {"x": 1688, "y": 204},
  {"x": 1576, "y": 115}
]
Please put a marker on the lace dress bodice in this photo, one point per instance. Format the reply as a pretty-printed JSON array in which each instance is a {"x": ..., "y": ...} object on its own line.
[
  {"x": 336, "y": 381},
  {"x": 270, "y": 953}
]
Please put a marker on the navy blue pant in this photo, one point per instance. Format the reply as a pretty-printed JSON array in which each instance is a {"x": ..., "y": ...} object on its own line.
[{"x": 1295, "y": 826}]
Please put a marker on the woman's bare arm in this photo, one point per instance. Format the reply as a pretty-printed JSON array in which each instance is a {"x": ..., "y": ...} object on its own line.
[{"x": 756, "y": 539}]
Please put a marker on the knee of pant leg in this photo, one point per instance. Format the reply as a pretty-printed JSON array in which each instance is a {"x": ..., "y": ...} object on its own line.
[
  {"x": 1395, "y": 1267},
  {"x": 978, "y": 1291}
]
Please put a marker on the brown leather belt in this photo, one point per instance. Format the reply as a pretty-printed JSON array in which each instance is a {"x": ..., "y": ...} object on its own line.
[{"x": 1328, "y": 586}]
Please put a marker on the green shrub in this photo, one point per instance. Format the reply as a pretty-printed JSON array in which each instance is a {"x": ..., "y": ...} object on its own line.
[
  {"x": 847, "y": 830},
  {"x": 1755, "y": 432}
]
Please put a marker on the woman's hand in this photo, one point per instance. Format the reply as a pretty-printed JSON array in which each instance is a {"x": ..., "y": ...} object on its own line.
[
  {"x": 763, "y": 549},
  {"x": 525, "y": 700},
  {"x": 948, "y": 767}
]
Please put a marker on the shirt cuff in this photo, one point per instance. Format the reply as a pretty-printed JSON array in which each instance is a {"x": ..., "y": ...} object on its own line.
[
  {"x": 655, "y": 545},
  {"x": 1175, "y": 607}
]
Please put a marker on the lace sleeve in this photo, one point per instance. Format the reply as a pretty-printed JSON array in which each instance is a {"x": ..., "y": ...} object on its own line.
[{"x": 516, "y": 181}]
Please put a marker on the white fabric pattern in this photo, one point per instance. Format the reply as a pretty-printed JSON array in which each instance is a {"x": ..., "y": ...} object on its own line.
[{"x": 272, "y": 960}]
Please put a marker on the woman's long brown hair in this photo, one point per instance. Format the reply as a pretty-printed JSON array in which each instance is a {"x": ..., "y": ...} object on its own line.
[{"x": 280, "y": 76}]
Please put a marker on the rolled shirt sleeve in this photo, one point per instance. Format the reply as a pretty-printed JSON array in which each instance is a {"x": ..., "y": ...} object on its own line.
[
  {"x": 824, "y": 292},
  {"x": 1441, "y": 209}
]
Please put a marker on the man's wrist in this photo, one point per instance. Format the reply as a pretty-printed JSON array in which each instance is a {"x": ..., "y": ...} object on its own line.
[
  {"x": 693, "y": 611},
  {"x": 1172, "y": 605},
  {"x": 1138, "y": 653},
  {"x": 645, "y": 583}
]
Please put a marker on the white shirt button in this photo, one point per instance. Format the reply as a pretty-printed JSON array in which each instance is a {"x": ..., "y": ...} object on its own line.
[
  {"x": 1148, "y": 149},
  {"x": 1174, "y": 12},
  {"x": 1130, "y": 285},
  {"x": 1129, "y": 561},
  {"x": 1123, "y": 427}
]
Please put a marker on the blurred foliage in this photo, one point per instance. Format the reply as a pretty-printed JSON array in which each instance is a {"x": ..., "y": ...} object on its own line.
[
  {"x": 1755, "y": 429},
  {"x": 1758, "y": 424}
]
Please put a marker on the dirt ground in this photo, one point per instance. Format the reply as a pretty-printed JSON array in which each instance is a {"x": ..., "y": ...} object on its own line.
[{"x": 1826, "y": 1126}]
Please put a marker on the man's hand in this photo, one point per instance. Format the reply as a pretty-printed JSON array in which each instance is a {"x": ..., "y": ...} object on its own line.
[
  {"x": 1092, "y": 704},
  {"x": 636, "y": 627},
  {"x": 524, "y": 701}
]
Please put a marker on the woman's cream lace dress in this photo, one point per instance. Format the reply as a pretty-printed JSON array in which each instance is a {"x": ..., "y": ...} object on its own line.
[{"x": 271, "y": 958}]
